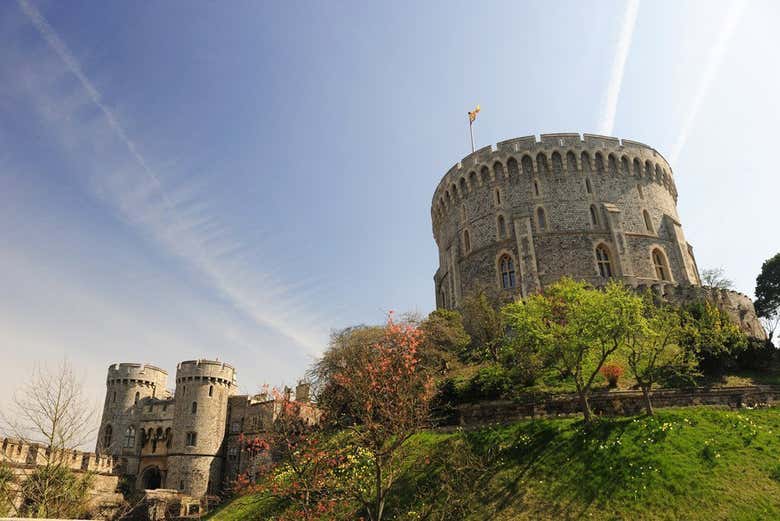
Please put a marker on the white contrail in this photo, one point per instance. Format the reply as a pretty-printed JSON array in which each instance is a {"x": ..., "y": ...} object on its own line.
[
  {"x": 618, "y": 68},
  {"x": 730, "y": 22},
  {"x": 180, "y": 234}
]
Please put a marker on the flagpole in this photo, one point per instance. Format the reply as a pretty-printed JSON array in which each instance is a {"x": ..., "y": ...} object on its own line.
[{"x": 471, "y": 133}]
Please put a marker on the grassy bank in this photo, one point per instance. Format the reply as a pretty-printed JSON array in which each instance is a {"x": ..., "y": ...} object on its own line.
[{"x": 688, "y": 463}]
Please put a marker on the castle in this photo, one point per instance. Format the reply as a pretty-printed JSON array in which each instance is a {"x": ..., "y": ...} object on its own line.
[
  {"x": 511, "y": 220},
  {"x": 188, "y": 440}
]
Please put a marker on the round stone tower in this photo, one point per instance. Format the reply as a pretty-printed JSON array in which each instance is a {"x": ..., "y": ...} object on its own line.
[
  {"x": 512, "y": 219},
  {"x": 127, "y": 384},
  {"x": 200, "y": 413}
]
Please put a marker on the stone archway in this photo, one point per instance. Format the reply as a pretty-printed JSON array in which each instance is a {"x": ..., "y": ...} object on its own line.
[{"x": 151, "y": 479}]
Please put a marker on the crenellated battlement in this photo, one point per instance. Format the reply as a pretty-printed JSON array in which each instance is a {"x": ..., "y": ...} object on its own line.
[
  {"x": 21, "y": 453},
  {"x": 136, "y": 374},
  {"x": 206, "y": 370},
  {"x": 551, "y": 154}
]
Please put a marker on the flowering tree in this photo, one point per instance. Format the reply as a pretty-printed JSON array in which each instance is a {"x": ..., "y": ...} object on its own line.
[{"x": 389, "y": 394}]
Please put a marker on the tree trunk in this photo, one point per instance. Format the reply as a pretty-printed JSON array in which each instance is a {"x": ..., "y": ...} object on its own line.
[
  {"x": 648, "y": 402},
  {"x": 379, "y": 499},
  {"x": 585, "y": 405}
]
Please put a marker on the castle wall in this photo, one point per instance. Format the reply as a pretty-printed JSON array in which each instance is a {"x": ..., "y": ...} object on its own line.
[{"x": 591, "y": 191}]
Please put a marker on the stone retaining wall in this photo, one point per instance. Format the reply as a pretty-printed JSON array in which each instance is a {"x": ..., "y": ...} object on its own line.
[{"x": 609, "y": 403}]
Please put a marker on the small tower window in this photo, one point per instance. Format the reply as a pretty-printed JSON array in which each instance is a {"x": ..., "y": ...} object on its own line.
[
  {"x": 466, "y": 241},
  {"x": 501, "y": 224},
  {"x": 594, "y": 215},
  {"x": 536, "y": 188},
  {"x": 107, "y": 435},
  {"x": 507, "y": 267},
  {"x": 192, "y": 439},
  {"x": 194, "y": 408},
  {"x": 648, "y": 222},
  {"x": 211, "y": 391},
  {"x": 603, "y": 261},
  {"x": 137, "y": 397},
  {"x": 113, "y": 397},
  {"x": 130, "y": 437},
  {"x": 661, "y": 268},
  {"x": 588, "y": 187},
  {"x": 498, "y": 196},
  {"x": 541, "y": 220}
]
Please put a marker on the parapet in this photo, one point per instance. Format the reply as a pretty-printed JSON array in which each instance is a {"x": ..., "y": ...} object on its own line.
[
  {"x": 212, "y": 370},
  {"x": 133, "y": 373},
  {"x": 21, "y": 453}
]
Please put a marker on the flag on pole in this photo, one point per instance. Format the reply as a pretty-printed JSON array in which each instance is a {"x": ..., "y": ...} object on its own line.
[{"x": 473, "y": 114}]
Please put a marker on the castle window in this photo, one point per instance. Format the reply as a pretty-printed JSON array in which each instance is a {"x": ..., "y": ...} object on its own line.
[
  {"x": 501, "y": 225},
  {"x": 557, "y": 163},
  {"x": 612, "y": 164},
  {"x": 113, "y": 397},
  {"x": 594, "y": 215},
  {"x": 192, "y": 439},
  {"x": 183, "y": 389},
  {"x": 137, "y": 397},
  {"x": 194, "y": 408},
  {"x": 588, "y": 187},
  {"x": 463, "y": 213},
  {"x": 507, "y": 267},
  {"x": 639, "y": 189},
  {"x": 637, "y": 168},
  {"x": 528, "y": 165},
  {"x": 603, "y": 262},
  {"x": 661, "y": 267},
  {"x": 585, "y": 159},
  {"x": 541, "y": 163},
  {"x": 463, "y": 189},
  {"x": 466, "y": 241},
  {"x": 511, "y": 165},
  {"x": 541, "y": 220},
  {"x": 648, "y": 169},
  {"x": 107, "y": 435},
  {"x": 648, "y": 222},
  {"x": 498, "y": 197},
  {"x": 536, "y": 188},
  {"x": 211, "y": 391},
  {"x": 232, "y": 453},
  {"x": 473, "y": 180},
  {"x": 235, "y": 427},
  {"x": 599, "y": 163},
  {"x": 625, "y": 166},
  {"x": 571, "y": 162}
]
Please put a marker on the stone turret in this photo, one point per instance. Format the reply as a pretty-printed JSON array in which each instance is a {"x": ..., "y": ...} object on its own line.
[
  {"x": 195, "y": 458},
  {"x": 127, "y": 384}
]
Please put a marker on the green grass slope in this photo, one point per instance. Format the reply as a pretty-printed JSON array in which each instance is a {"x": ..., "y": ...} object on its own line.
[{"x": 687, "y": 464}]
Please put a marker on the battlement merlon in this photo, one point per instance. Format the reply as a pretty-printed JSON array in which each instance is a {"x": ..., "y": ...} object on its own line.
[
  {"x": 137, "y": 373},
  {"x": 206, "y": 369}
]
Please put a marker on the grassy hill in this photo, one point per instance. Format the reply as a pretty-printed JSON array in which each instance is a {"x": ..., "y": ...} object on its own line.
[{"x": 689, "y": 464}]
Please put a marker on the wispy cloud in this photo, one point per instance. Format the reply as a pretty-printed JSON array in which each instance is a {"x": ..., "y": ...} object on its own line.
[
  {"x": 730, "y": 22},
  {"x": 182, "y": 226},
  {"x": 609, "y": 107}
]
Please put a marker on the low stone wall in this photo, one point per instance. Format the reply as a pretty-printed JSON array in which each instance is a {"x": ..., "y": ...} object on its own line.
[{"x": 607, "y": 403}]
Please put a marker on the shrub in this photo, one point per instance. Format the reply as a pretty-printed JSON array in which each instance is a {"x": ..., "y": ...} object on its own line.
[
  {"x": 490, "y": 382},
  {"x": 612, "y": 373}
]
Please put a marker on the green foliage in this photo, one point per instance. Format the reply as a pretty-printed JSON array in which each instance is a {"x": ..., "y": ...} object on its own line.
[
  {"x": 484, "y": 325},
  {"x": 7, "y": 489},
  {"x": 55, "y": 491},
  {"x": 768, "y": 288},
  {"x": 692, "y": 463},
  {"x": 445, "y": 341},
  {"x": 710, "y": 336},
  {"x": 489, "y": 383}
]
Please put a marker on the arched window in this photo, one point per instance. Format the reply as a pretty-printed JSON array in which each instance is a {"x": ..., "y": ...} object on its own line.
[
  {"x": 571, "y": 162},
  {"x": 498, "y": 197},
  {"x": 599, "y": 163},
  {"x": 658, "y": 175},
  {"x": 137, "y": 397},
  {"x": 603, "y": 262},
  {"x": 541, "y": 220},
  {"x": 637, "y": 168},
  {"x": 485, "y": 175},
  {"x": 130, "y": 437},
  {"x": 585, "y": 159},
  {"x": 507, "y": 268},
  {"x": 108, "y": 434},
  {"x": 511, "y": 166},
  {"x": 557, "y": 163},
  {"x": 501, "y": 225},
  {"x": 211, "y": 391},
  {"x": 661, "y": 267},
  {"x": 648, "y": 222},
  {"x": 625, "y": 166},
  {"x": 594, "y": 215},
  {"x": 528, "y": 165},
  {"x": 612, "y": 164},
  {"x": 466, "y": 241},
  {"x": 588, "y": 187},
  {"x": 648, "y": 169},
  {"x": 194, "y": 409},
  {"x": 541, "y": 164},
  {"x": 473, "y": 179},
  {"x": 463, "y": 188}
]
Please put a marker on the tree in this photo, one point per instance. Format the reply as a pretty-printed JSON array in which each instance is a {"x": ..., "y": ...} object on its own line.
[
  {"x": 653, "y": 347},
  {"x": 389, "y": 394},
  {"x": 444, "y": 339},
  {"x": 710, "y": 336},
  {"x": 484, "y": 324},
  {"x": 51, "y": 409},
  {"x": 768, "y": 295},
  {"x": 577, "y": 328},
  {"x": 716, "y": 278}
]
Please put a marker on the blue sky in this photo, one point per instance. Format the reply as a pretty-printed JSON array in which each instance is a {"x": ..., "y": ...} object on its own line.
[{"x": 236, "y": 180}]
